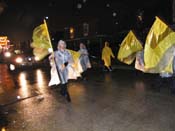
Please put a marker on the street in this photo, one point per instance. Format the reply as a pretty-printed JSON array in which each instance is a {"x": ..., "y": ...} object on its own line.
[{"x": 122, "y": 100}]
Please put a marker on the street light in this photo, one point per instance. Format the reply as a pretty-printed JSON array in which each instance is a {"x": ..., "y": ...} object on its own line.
[
  {"x": 108, "y": 5},
  {"x": 71, "y": 31},
  {"x": 114, "y": 14},
  {"x": 116, "y": 23},
  {"x": 79, "y": 5},
  {"x": 84, "y": 1}
]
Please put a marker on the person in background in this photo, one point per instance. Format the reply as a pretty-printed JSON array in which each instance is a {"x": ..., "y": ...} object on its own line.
[
  {"x": 63, "y": 60},
  {"x": 84, "y": 60},
  {"x": 166, "y": 79},
  {"x": 106, "y": 56}
]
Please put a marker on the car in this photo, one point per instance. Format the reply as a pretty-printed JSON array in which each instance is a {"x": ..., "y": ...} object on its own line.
[{"x": 23, "y": 61}]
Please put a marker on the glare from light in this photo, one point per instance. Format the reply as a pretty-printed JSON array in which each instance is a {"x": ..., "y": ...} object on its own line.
[
  {"x": 7, "y": 54},
  {"x": 23, "y": 83},
  {"x": 79, "y": 6},
  {"x": 47, "y": 17},
  {"x": 29, "y": 59},
  {"x": 71, "y": 30},
  {"x": 40, "y": 79},
  {"x": 3, "y": 129},
  {"x": 50, "y": 50},
  {"x": 12, "y": 67},
  {"x": 36, "y": 58},
  {"x": 84, "y": 1},
  {"x": 22, "y": 78},
  {"x": 140, "y": 18},
  {"x": 18, "y": 97},
  {"x": 114, "y": 14},
  {"x": 19, "y": 60},
  {"x": 108, "y": 5}
]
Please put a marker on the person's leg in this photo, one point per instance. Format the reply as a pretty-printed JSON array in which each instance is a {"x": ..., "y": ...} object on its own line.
[
  {"x": 66, "y": 93},
  {"x": 84, "y": 75},
  {"x": 62, "y": 90},
  {"x": 110, "y": 68},
  {"x": 172, "y": 85}
]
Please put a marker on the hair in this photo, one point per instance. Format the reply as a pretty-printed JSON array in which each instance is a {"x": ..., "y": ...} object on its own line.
[
  {"x": 82, "y": 44},
  {"x": 61, "y": 42},
  {"x": 106, "y": 43}
]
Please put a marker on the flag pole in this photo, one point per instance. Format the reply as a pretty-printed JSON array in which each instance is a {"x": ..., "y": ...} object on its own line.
[{"x": 48, "y": 35}]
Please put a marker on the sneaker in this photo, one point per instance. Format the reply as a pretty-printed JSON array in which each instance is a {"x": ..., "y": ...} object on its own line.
[{"x": 110, "y": 70}]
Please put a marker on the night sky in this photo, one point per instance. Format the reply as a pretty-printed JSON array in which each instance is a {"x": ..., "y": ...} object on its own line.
[{"x": 19, "y": 17}]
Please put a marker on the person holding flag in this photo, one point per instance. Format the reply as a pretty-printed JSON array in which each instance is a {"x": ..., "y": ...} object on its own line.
[{"x": 61, "y": 58}]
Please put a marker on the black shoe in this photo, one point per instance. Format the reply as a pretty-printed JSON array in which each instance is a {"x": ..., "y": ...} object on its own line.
[
  {"x": 62, "y": 93},
  {"x": 68, "y": 97}
]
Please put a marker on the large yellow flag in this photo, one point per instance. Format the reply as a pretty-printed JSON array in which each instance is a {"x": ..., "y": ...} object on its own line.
[
  {"x": 129, "y": 46},
  {"x": 76, "y": 58},
  {"x": 41, "y": 41},
  {"x": 158, "y": 52}
]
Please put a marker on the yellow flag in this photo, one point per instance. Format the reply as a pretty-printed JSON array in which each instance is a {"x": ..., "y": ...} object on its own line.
[
  {"x": 129, "y": 46},
  {"x": 76, "y": 56},
  {"x": 41, "y": 41},
  {"x": 158, "y": 52},
  {"x": 76, "y": 64}
]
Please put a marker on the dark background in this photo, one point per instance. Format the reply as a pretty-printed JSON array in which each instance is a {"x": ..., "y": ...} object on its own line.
[{"x": 18, "y": 18}]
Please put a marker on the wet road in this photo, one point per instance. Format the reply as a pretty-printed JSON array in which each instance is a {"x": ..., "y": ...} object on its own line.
[{"x": 118, "y": 101}]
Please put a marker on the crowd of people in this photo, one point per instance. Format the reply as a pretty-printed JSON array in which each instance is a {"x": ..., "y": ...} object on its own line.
[{"x": 64, "y": 65}]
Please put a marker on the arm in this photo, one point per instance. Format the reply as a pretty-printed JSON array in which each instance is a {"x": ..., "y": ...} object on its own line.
[
  {"x": 112, "y": 54},
  {"x": 51, "y": 56}
]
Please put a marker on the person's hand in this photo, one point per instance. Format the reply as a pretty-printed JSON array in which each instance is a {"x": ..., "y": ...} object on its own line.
[{"x": 65, "y": 64}]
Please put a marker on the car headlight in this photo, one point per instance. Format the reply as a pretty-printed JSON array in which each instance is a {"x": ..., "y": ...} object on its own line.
[
  {"x": 12, "y": 67},
  {"x": 29, "y": 59},
  {"x": 36, "y": 58},
  {"x": 19, "y": 60},
  {"x": 7, "y": 54}
]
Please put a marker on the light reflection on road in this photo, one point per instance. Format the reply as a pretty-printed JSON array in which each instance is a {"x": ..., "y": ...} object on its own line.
[
  {"x": 41, "y": 80},
  {"x": 24, "y": 91}
]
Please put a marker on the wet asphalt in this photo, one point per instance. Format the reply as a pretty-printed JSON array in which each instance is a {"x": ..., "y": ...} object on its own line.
[{"x": 122, "y": 100}]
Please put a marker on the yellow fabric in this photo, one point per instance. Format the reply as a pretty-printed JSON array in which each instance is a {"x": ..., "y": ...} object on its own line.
[
  {"x": 159, "y": 50},
  {"x": 106, "y": 55},
  {"x": 76, "y": 64},
  {"x": 41, "y": 41},
  {"x": 75, "y": 55},
  {"x": 129, "y": 46}
]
